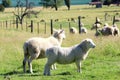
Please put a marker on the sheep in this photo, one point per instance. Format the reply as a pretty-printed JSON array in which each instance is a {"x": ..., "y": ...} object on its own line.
[
  {"x": 34, "y": 48},
  {"x": 73, "y": 30},
  {"x": 97, "y": 24},
  {"x": 68, "y": 55},
  {"x": 106, "y": 30},
  {"x": 83, "y": 30},
  {"x": 116, "y": 30}
]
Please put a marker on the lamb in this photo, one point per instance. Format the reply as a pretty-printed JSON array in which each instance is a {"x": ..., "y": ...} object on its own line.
[
  {"x": 34, "y": 48},
  {"x": 68, "y": 55}
]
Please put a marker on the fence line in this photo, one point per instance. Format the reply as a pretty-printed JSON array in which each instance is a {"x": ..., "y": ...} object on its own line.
[{"x": 9, "y": 24}]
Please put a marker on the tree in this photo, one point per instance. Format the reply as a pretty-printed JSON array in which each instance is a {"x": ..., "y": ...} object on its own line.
[
  {"x": 107, "y": 2},
  {"x": 52, "y": 3},
  {"x": 67, "y": 3},
  {"x": 6, "y": 3},
  {"x": 2, "y": 8},
  {"x": 21, "y": 12}
]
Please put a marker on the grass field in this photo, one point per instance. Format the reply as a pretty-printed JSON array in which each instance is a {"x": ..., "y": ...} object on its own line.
[{"x": 103, "y": 62}]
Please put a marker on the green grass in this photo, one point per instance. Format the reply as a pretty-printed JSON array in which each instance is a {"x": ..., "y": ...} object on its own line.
[{"x": 102, "y": 63}]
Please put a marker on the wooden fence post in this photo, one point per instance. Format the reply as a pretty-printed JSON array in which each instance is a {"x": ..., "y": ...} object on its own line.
[
  {"x": 79, "y": 24},
  {"x": 96, "y": 24},
  {"x": 45, "y": 27},
  {"x": 38, "y": 27},
  {"x": 60, "y": 26},
  {"x": 16, "y": 23},
  {"x": 31, "y": 26},
  {"x": 6, "y": 25},
  {"x": 69, "y": 26},
  {"x": 106, "y": 16},
  {"x": 113, "y": 20},
  {"x": 51, "y": 26}
]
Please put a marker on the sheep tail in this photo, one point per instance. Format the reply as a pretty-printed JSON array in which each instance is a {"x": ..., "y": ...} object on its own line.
[{"x": 25, "y": 47}]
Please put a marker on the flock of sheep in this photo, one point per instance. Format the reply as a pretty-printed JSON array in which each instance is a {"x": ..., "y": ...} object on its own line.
[
  {"x": 36, "y": 48},
  {"x": 50, "y": 48},
  {"x": 105, "y": 30}
]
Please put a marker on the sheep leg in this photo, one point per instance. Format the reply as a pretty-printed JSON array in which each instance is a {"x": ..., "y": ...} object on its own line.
[
  {"x": 47, "y": 69},
  {"x": 30, "y": 65},
  {"x": 78, "y": 64},
  {"x": 26, "y": 57},
  {"x": 50, "y": 61}
]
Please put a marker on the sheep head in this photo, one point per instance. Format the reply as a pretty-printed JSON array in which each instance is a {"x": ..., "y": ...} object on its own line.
[{"x": 60, "y": 34}]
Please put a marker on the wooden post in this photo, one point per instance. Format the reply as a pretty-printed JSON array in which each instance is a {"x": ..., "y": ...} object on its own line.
[
  {"x": 16, "y": 23},
  {"x": 31, "y": 26},
  {"x": 51, "y": 26},
  {"x": 79, "y": 24},
  {"x": 96, "y": 24},
  {"x": 45, "y": 27},
  {"x": 60, "y": 26},
  {"x": 106, "y": 16},
  {"x": 6, "y": 25},
  {"x": 69, "y": 26},
  {"x": 113, "y": 20},
  {"x": 38, "y": 27}
]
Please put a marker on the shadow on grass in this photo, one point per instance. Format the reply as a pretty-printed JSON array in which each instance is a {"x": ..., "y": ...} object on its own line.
[
  {"x": 64, "y": 73},
  {"x": 20, "y": 74}
]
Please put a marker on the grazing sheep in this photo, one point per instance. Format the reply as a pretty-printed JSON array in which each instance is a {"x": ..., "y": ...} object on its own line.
[
  {"x": 34, "y": 48},
  {"x": 106, "y": 30},
  {"x": 96, "y": 25},
  {"x": 68, "y": 55},
  {"x": 83, "y": 30},
  {"x": 73, "y": 30}
]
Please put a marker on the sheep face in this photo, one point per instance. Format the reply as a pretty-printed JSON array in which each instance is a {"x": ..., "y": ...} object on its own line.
[
  {"x": 60, "y": 34},
  {"x": 90, "y": 43}
]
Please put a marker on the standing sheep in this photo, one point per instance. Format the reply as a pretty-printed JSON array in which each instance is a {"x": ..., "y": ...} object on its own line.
[
  {"x": 68, "y": 55},
  {"x": 34, "y": 48}
]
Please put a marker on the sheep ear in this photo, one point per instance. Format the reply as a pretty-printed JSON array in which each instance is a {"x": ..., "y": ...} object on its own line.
[{"x": 61, "y": 31}]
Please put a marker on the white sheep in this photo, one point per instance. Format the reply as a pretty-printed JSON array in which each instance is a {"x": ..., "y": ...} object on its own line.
[
  {"x": 68, "y": 55},
  {"x": 73, "y": 30},
  {"x": 34, "y": 48},
  {"x": 83, "y": 30},
  {"x": 96, "y": 25}
]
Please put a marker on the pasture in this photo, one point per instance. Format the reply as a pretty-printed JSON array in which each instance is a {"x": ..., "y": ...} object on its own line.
[{"x": 102, "y": 63}]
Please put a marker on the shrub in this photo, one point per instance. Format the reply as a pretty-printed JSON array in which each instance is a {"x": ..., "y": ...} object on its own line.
[
  {"x": 51, "y": 3},
  {"x": 6, "y": 3},
  {"x": 2, "y": 8}
]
